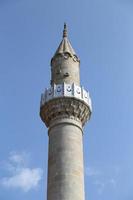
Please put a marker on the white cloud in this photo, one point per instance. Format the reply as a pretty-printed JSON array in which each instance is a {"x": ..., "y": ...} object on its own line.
[
  {"x": 21, "y": 176},
  {"x": 100, "y": 186},
  {"x": 103, "y": 184},
  {"x": 102, "y": 178},
  {"x": 18, "y": 158},
  {"x": 25, "y": 179},
  {"x": 91, "y": 171}
]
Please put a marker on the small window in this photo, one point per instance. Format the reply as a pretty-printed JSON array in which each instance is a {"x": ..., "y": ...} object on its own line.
[{"x": 66, "y": 74}]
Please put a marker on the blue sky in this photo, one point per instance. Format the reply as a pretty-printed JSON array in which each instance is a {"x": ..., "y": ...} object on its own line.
[{"x": 101, "y": 32}]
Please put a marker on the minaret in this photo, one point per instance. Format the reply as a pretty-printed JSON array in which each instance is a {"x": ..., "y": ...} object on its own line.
[{"x": 65, "y": 108}]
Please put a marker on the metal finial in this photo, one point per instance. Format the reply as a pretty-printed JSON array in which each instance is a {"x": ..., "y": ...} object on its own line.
[{"x": 65, "y": 30}]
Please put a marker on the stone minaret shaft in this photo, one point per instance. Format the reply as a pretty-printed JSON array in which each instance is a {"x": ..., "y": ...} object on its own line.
[{"x": 65, "y": 107}]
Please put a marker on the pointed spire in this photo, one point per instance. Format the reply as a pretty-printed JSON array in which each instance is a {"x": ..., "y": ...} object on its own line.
[
  {"x": 65, "y": 46},
  {"x": 65, "y": 30}
]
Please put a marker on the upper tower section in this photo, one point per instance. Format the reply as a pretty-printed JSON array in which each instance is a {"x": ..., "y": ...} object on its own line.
[
  {"x": 65, "y": 64},
  {"x": 65, "y": 99}
]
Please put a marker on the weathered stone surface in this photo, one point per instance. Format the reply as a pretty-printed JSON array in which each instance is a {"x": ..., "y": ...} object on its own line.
[
  {"x": 65, "y": 108},
  {"x": 66, "y": 69},
  {"x": 65, "y": 171},
  {"x": 65, "y": 63}
]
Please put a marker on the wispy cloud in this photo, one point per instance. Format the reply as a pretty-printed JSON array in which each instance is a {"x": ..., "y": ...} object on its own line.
[
  {"x": 102, "y": 178},
  {"x": 21, "y": 175},
  {"x": 89, "y": 171},
  {"x": 102, "y": 185}
]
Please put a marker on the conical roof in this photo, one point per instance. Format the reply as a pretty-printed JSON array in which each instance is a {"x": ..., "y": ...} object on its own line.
[{"x": 65, "y": 45}]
